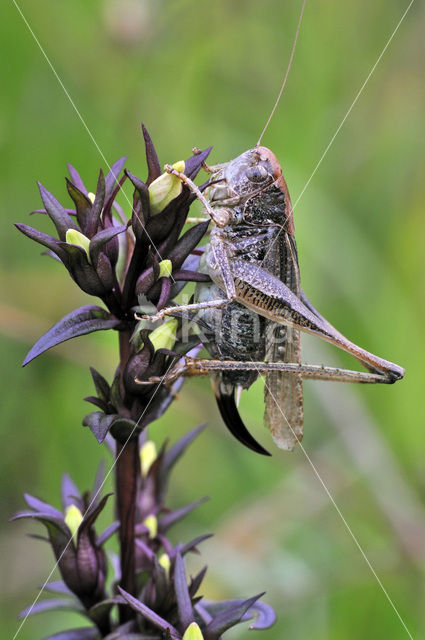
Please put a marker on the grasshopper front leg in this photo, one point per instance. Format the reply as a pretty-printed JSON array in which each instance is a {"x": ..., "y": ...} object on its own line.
[{"x": 171, "y": 311}]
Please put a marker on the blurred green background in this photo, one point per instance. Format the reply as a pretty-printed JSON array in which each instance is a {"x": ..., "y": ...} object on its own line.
[{"x": 201, "y": 73}]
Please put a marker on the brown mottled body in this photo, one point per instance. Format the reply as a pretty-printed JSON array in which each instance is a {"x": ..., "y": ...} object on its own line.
[
  {"x": 252, "y": 261},
  {"x": 260, "y": 233}
]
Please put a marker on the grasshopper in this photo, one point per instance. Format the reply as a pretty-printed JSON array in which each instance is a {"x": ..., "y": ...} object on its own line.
[{"x": 254, "y": 309}]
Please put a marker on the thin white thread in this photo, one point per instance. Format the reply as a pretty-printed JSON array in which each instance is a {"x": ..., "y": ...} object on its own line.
[
  {"x": 82, "y": 121},
  {"x": 291, "y": 57},
  {"x": 90, "y": 505},
  {"x": 331, "y": 498},
  {"x": 353, "y": 103},
  {"x": 343, "y": 121}
]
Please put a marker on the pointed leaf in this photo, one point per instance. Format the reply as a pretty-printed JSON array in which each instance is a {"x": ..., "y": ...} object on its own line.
[
  {"x": 57, "y": 529},
  {"x": 50, "y": 254},
  {"x": 187, "y": 243},
  {"x": 57, "y": 604},
  {"x": 196, "y": 582},
  {"x": 39, "y": 505},
  {"x": 112, "y": 177},
  {"x": 190, "y": 264},
  {"x": 140, "y": 187},
  {"x": 190, "y": 276},
  {"x": 191, "y": 546},
  {"x": 82, "y": 271},
  {"x": 171, "y": 518},
  {"x": 140, "y": 213},
  {"x": 193, "y": 165},
  {"x": 119, "y": 632},
  {"x": 82, "y": 203},
  {"x": 99, "y": 424},
  {"x": 228, "y": 617},
  {"x": 180, "y": 447},
  {"x": 98, "y": 205},
  {"x": 83, "y": 633},
  {"x": 45, "y": 518},
  {"x": 203, "y": 613},
  {"x": 154, "y": 168},
  {"x": 99, "y": 479},
  {"x": 102, "y": 387},
  {"x": 70, "y": 493},
  {"x": 108, "y": 533},
  {"x": 184, "y": 603},
  {"x": 160, "y": 579},
  {"x": 101, "y": 238},
  {"x": 150, "y": 615},
  {"x": 132, "y": 636},
  {"x": 92, "y": 513},
  {"x": 143, "y": 546},
  {"x": 60, "y": 218},
  {"x": 124, "y": 632},
  {"x": 43, "y": 238},
  {"x": 76, "y": 178},
  {"x": 77, "y": 323},
  {"x": 58, "y": 586},
  {"x": 101, "y": 609},
  {"x": 100, "y": 404},
  {"x": 69, "y": 211}
]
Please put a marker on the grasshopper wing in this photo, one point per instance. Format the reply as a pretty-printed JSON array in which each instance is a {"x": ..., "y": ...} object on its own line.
[{"x": 283, "y": 392}]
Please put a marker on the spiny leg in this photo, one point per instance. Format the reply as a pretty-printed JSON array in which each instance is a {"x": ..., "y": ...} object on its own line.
[
  {"x": 308, "y": 371},
  {"x": 195, "y": 221},
  {"x": 170, "y": 311},
  {"x": 194, "y": 367},
  {"x": 220, "y": 220}
]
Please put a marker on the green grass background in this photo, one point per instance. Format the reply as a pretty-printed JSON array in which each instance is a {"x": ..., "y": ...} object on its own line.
[{"x": 201, "y": 73}]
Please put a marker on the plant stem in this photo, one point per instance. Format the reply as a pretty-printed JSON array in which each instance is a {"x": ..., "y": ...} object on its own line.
[{"x": 127, "y": 473}]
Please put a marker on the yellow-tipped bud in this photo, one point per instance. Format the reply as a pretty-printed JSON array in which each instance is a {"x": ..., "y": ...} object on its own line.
[
  {"x": 151, "y": 523},
  {"x": 164, "y": 336},
  {"x": 76, "y": 237},
  {"x": 165, "y": 188},
  {"x": 147, "y": 456},
  {"x": 193, "y": 632},
  {"x": 165, "y": 562},
  {"x": 91, "y": 196},
  {"x": 73, "y": 518},
  {"x": 165, "y": 269}
]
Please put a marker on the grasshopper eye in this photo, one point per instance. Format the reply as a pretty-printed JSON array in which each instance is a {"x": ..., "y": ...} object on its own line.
[{"x": 257, "y": 173}]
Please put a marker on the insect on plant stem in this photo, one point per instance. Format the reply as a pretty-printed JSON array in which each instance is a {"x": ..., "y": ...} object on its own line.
[{"x": 253, "y": 311}]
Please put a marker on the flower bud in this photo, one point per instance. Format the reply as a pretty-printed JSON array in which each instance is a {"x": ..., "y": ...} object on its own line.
[
  {"x": 76, "y": 237},
  {"x": 165, "y": 188},
  {"x": 147, "y": 456},
  {"x": 151, "y": 523},
  {"x": 73, "y": 519},
  {"x": 164, "y": 336},
  {"x": 165, "y": 269},
  {"x": 193, "y": 632},
  {"x": 164, "y": 561}
]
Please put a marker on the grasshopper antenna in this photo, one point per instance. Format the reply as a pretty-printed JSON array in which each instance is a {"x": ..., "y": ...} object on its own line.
[{"x": 291, "y": 57}]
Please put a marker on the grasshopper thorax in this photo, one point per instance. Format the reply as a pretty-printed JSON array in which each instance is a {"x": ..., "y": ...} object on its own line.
[{"x": 253, "y": 191}]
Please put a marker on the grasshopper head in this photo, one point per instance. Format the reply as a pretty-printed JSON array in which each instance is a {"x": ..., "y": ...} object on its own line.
[
  {"x": 249, "y": 173},
  {"x": 255, "y": 179}
]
